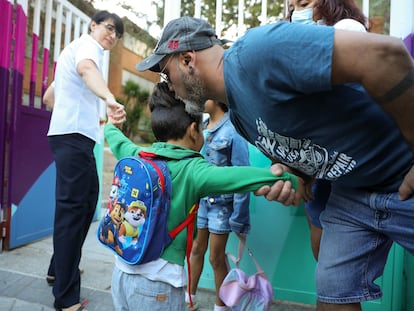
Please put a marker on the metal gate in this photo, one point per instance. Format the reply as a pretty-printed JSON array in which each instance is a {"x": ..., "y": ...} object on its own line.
[{"x": 27, "y": 172}]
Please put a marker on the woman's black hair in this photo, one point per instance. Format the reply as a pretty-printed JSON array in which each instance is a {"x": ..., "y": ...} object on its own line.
[
  {"x": 169, "y": 119},
  {"x": 101, "y": 16},
  {"x": 332, "y": 11}
]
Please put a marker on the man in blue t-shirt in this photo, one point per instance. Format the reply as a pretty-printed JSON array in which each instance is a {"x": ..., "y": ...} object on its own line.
[{"x": 328, "y": 104}]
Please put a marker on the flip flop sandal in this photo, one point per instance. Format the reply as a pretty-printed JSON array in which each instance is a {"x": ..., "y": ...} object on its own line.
[{"x": 81, "y": 307}]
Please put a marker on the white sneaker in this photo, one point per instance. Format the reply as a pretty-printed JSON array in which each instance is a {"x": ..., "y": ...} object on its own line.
[{"x": 221, "y": 308}]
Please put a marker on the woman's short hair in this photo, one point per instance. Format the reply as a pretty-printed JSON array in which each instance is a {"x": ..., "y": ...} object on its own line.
[{"x": 101, "y": 16}]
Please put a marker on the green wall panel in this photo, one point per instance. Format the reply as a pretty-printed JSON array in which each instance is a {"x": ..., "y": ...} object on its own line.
[{"x": 280, "y": 242}]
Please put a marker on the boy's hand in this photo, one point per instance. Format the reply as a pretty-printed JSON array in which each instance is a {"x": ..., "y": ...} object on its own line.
[
  {"x": 116, "y": 113},
  {"x": 282, "y": 191}
]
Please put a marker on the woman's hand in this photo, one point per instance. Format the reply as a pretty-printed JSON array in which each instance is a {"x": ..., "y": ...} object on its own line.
[{"x": 115, "y": 112}]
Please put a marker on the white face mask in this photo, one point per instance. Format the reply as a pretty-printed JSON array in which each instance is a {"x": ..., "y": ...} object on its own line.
[{"x": 303, "y": 17}]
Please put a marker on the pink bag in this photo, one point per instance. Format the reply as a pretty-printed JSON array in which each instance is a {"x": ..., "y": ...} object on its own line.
[{"x": 246, "y": 293}]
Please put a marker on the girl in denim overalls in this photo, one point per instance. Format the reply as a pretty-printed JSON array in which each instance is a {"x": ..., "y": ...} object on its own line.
[{"x": 221, "y": 214}]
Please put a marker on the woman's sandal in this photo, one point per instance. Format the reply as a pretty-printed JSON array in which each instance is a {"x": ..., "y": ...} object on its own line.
[{"x": 80, "y": 308}]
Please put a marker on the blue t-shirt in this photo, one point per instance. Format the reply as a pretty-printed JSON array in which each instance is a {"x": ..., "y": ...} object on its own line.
[{"x": 278, "y": 84}]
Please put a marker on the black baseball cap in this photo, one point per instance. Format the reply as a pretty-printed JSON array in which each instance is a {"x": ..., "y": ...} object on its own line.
[{"x": 180, "y": 35}]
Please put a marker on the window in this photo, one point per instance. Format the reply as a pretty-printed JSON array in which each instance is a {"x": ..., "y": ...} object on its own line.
[{"x": 379, "y": 14}]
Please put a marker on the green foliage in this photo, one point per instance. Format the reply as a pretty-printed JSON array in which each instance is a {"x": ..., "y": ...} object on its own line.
[
  {"x": 132, "y": 91},
  {"x": 130, "y": 127},
  {"x": 379, "y": 11},
  {"x": 230, "y": 11},
  {"x": 379, "y": 8},
  {"x": 145, "y": 130},
  {"x": 135, "y": 102}
]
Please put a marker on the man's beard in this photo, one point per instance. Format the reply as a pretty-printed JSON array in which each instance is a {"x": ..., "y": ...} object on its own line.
[{"x": 196, "y": 93}]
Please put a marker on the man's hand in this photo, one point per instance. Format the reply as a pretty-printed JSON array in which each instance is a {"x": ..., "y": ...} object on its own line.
[
  {"x": 406, "y": 189},
  {"x": 282, "y": 191},
  {"x": 115, "y": 112}
]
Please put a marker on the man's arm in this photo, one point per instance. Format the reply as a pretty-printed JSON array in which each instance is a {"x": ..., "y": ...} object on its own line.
[{"x": 384, "y": 67}]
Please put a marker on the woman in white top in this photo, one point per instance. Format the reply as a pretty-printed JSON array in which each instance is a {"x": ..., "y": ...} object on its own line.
[{"x": 74, "y": 129}]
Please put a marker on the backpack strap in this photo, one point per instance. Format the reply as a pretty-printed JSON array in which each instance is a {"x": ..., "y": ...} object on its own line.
[
  {"x": 190, "y": 219},
  {"x": 147, "y": 154},
  {"x": 147, "y": 157},
  {"x": 189, "y": 223}
]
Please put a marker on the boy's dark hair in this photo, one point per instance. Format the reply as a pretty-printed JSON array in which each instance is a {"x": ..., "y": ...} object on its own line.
[
  {"x": 101, "y": 16},
  {"x": 223, "y": 106},
  {"x": 169, "y": 119}
]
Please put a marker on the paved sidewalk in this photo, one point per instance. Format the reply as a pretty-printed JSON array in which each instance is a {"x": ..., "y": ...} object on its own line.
[
  {"x": 23, "y": 270},
  {"x": 23, "y": 286}
]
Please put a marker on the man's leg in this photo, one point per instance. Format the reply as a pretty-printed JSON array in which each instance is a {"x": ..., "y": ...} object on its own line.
[
  {"x": 316, "y": 234},
  {"x": 321, "y": 191},
  {"x": 353, "y": 251},
  {"x": 383, "y": 215}
]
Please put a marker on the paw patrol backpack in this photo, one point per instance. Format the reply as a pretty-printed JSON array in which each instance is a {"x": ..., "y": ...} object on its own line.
[{"x": 135, "y": 224}]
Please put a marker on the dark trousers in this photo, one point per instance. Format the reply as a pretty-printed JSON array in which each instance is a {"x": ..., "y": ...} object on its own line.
[{"x": 77, "y": 190}]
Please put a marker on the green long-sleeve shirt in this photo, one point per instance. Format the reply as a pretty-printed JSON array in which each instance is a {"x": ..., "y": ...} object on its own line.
[{"x": 192, "y": 178}]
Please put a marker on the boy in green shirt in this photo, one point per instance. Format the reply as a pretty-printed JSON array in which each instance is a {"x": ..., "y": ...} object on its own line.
[{"x": 158, "y": 285}]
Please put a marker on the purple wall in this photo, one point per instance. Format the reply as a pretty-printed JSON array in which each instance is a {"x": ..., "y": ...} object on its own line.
[
  {"x": 409, "y": 42},
  {"x": 28, "y": 161},
  {"x": 5, "y": 34}
]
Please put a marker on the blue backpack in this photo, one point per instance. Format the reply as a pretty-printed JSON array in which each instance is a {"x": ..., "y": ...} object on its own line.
[{"x": 135, "y": 224}]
